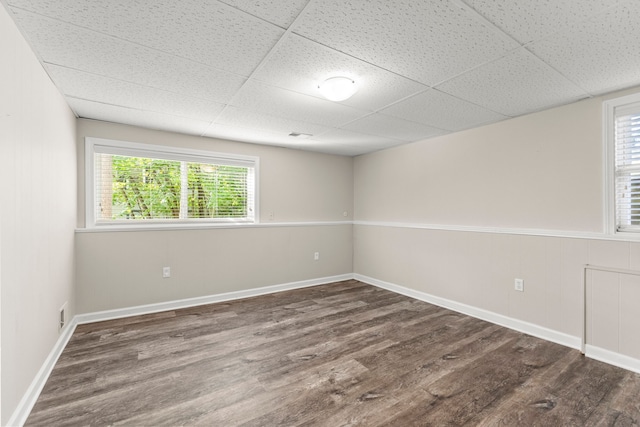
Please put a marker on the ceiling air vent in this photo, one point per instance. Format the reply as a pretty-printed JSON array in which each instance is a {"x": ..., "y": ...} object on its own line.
[{"x": 300, "y": 135}]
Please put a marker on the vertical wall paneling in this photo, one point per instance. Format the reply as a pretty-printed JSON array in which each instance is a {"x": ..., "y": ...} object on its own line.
[
  {"x": 303, "y": 197},
  {"x": 629, "y": 342},
  {"x": 612, "y": 318},
  {"x": 37, "y": 218}
]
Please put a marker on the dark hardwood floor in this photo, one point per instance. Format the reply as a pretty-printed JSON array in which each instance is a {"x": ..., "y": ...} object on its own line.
[{"x": 343, "y": 354}]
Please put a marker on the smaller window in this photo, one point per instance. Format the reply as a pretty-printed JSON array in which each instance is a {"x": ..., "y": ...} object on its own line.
[
  {"x": 623, "y": 123},
  {"x": 130, "y": 184}
]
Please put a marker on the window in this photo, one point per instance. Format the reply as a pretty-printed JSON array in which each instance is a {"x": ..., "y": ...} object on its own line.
[
  {"x": 137, "y": 184},
  {"x": 623, "y": 133}
]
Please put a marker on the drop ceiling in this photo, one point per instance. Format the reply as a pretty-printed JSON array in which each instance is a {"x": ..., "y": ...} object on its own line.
[{"x": 249, "y": 70}]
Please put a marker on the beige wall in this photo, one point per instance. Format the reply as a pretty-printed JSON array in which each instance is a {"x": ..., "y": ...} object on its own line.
[
  {"x": 538, "y": 172},
  {"x": 541, "y": 171},
  {"x": 612, "y": 301},
  {"x": 123, "y": 269},
  {"x": 478, "y": 269},
  {"x": 295, "y": 185},
  {"x": 461, "y": 216},
  {"x": 119, "y": 270},
  {"x": 37, "y": 213}
]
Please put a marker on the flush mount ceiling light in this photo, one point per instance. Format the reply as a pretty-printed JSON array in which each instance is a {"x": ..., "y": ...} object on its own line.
[{"x": 338, "y": 88}]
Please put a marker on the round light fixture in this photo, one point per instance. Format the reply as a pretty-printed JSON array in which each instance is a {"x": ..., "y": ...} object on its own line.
[{"x": 338, "y": 88}]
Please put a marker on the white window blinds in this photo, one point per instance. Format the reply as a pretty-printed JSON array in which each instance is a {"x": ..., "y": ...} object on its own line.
[
  {"x": 627, "y": 167},
  {"x": 137, "y": 184}
]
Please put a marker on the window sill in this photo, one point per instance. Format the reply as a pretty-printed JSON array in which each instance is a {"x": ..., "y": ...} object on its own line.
[
  {"x": 203, "y": 226},
  {"x": 626, "y": 235}
]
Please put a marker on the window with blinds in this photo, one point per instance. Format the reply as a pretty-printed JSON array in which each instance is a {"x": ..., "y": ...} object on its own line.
[
  {"x": 138, "y": 184},
  {"x": 627, "y": 167}
]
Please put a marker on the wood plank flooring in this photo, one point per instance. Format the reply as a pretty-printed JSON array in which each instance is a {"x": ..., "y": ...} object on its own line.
[{"x": 343, "y": 354}]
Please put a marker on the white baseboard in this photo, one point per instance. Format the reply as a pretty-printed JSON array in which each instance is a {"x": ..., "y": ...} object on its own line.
[
  {"x": 29, "y": 399},
  {"x": 597, "y": 353},
  {"x": 612, "y": 358},
  {"x": 100, "y": 316},
  {"x": 19, "y": 416},
  {"x": 489, "y": 316}
]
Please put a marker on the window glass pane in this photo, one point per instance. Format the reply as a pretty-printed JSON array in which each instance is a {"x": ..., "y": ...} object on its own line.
[
  {"x": 146, "y": 188},
  {"x": 634, "y": 205},
  {"x": 217, "y": 191},
  {"x": 627, "y": 167},
  {"x": 138, "y": 188}
]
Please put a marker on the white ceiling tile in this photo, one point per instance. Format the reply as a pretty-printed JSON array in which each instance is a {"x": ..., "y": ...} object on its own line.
[
  {"x": 194, "y": 58},
  {"x": 428, "y": 41},
  {"x": 356, "y": 139},
  {"x": 301, "y": 65},
  {"x": 339, "y": 149},
  {"x": 442, "y": 111},
  {"x": 532, "y": 20},
  {"x": 275, "y": 11},
  {"x": 392, "y": 127},
  {"x": 516, "y": 84},
  {"x": 260, "y": 121},
  {"x": 77, "y": 48},
  {"x": 78, "y": 84},
  {"x": 600, "y": 54},
  {"x": 293, "y": 105},
  {"x": 129, "y": 116},
  {"x": 207, "y": 32},
  {"x": 235, "y": 133},
  {"x": 325, "y": 140}
]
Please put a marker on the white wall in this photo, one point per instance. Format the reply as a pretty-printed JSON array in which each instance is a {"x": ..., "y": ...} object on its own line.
[
  {"x": 450, "y": 217},
  {"x": 37, "y": 213},
  {"x": 123, "y": 269},
  {"x": 295, "y": 185},
  {"x": 461, "y": 216},
  {"x": 541, "y": 171}
]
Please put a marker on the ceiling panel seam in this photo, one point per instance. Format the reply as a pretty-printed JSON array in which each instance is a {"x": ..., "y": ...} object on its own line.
[{"x": 261, "y": 64}]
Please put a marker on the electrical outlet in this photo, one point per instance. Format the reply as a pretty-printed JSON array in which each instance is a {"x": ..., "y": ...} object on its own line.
[
  {"x": 316, "y": 256},
  {"x": 519, "y": 285},
  {"x": 166, "y": 272}
]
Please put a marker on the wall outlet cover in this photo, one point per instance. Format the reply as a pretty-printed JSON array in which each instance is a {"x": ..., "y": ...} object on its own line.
[{"x": 519, "y": 285}]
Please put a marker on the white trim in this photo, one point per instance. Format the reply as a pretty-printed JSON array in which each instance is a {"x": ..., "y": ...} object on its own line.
[
  {"x": 419, "y": 226},
  {"x": 608, "y": 138},
  {"x": 99, "y": 145},
  {"x": 599, "y": 353},
  {"x": 500, "y": 230},
  {"x": 188, "y": 154},
  {"x": 209, "y": 226},
  {"x": 608, "y": 156},
  {"x": 89, "y": 190},
  {"x": 498, "y": 319},
  {"x": 22, "y": 411},
  {"x": 30, "y": 397},
  {"x": 583, "y": 337},
  {"x": 612, "y": 269},
  {"x": 100, "y": 316},
  {"x": 613, "y": 358}
]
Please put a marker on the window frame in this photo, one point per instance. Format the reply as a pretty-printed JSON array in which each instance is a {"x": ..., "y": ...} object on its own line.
[
  {"x": 108, "y": 146},
  {"x": 609, "y": 128}
]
